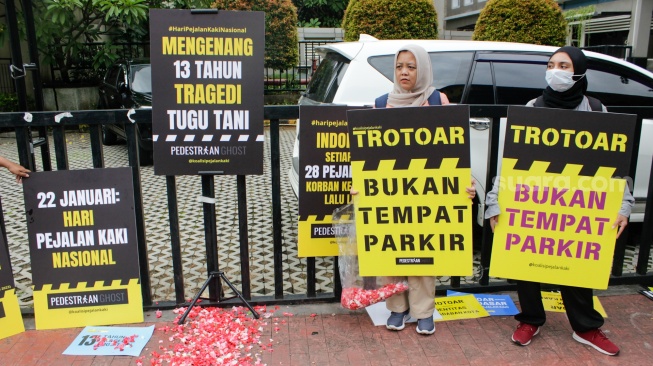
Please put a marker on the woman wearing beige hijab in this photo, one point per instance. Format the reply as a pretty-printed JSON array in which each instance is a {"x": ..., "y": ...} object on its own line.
[{"x": 412, "y": 88}]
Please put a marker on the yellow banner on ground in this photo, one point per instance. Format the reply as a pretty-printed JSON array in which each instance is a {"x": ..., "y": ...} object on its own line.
[
  {"x": 552, "y": 301},
  {"x": 459, "y": 307},
  {"x": 11, "y": 320}
]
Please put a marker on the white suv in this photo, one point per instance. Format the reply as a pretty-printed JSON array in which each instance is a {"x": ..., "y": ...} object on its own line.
[{"x": 469, "y": 72}]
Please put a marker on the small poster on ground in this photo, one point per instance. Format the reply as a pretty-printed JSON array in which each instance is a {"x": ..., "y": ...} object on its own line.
[
  {"x": 495, "y": 305},
  {"x": 110, "y": 341},
  {"x": 459, "y": 307},
  {"x": 553, "y": 302}
]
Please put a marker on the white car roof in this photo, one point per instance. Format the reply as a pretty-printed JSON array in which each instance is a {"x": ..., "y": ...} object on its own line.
[{"x": 370, "y": 46}]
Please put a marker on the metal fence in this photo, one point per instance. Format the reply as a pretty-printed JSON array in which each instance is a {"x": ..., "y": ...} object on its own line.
[
  {"x": 296, "y": 78},
  {"x": 6, "y": 82},
  {"x": 641, "y": 239},
  {"x": 292, "y": 79}
]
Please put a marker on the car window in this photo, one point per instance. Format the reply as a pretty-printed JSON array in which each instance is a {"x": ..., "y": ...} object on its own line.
[
  {"x": 616, "y": 85},
  {"x": 482, "y": 88},
  {"x": 450, "y": 71},
  {"x": 326, "y": 79},
  {"x": 141, "y": 78},
  {"x": 518, "y": 83},
  {"x": 112, "y": 75}
]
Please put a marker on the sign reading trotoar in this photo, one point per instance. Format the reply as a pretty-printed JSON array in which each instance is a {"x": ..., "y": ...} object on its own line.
[
  {"x": 560, "y": 192},
  {"x": 324, "y": 176},
  {"x": 207, "y": 91},
  {"x": 11, "y": 320},
  {"x": 83, "y": 249},
  {"x": 411, "y": 167}
]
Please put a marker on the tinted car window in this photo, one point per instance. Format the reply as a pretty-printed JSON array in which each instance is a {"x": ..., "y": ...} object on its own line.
[
  {"x": 615, "y": 85},
  {"x": 518, "y": 83},
  {"x": 450, "y": 71},
  {"x": 112, "y": 75},
  {"x": 141, "y": 78},
  {"x": 326, "y": 79},
  {"x": 482, "y": 89}
]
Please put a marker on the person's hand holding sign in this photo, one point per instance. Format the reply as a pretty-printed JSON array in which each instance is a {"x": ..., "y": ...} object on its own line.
[{"x": 621, "y": 221}]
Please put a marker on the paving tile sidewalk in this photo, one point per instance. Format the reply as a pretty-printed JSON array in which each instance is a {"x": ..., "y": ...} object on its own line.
[{"x": 339, "y": 337}]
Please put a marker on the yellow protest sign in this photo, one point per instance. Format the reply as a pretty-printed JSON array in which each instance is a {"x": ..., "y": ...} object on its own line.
[
  {"x": 411, "y": 168},
  {"x": 11, "y": 320},
  {"x": 552, "y": 301},
  {"x": 559, "y": 194},
  {"x": 459, "y": 307}
]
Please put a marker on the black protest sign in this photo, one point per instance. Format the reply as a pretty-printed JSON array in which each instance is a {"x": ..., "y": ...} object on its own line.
[
  {"x": 83, "y": 247},
  {"x": 594, "y": 140},
  {"x": 411, "y": 167},
  {"x": 207, "y": 91},
  {"x": 324, "y": 176}
]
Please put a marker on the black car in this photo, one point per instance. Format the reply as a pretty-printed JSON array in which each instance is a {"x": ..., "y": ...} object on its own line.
[{"x": 128, "y": 84}]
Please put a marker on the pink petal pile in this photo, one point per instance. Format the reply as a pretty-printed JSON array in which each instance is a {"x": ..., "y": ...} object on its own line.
[
  {"x": 354, "y": 298},
  {"x": 213, "y": 336}
]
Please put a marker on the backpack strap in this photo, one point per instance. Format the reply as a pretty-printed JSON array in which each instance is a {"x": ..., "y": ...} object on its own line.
[
  {"x": 434, "y": 98},
  {"x": 595, "y": 104},
  {"x": 382, "y": 101}
]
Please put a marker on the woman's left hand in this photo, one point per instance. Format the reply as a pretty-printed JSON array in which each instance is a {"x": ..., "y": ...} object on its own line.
[{"x": 471, "y": 191}]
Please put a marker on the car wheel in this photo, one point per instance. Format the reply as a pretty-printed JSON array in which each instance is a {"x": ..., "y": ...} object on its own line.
[{"x": 108, "y": 136}]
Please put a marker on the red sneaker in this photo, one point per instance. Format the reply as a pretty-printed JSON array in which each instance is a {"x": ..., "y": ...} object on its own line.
[
  {"x": 597, "y": 339},
  {"x": 524, "y": 334}
]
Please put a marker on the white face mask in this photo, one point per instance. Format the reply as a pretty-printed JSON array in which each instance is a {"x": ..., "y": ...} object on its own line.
[{"x": 560, "y": 80}]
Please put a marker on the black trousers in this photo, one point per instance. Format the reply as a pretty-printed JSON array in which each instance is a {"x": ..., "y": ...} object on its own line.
[{"x": 579, "y": 304}]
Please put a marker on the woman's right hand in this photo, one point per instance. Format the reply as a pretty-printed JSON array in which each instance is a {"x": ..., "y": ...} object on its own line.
[{"x": 353, "y": 192}]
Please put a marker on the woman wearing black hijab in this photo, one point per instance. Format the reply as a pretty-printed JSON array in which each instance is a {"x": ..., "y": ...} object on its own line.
[{"x": 567, "y": 80}]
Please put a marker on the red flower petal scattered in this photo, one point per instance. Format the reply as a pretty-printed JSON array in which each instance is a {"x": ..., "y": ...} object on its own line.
[
  {"x": 158, "y": 313},
  {"x": 214, "y": 336},
  {"x": 354, "y": 298}
]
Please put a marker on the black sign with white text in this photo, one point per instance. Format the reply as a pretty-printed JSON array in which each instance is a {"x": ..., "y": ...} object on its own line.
[{"x": 207, "y": 91}]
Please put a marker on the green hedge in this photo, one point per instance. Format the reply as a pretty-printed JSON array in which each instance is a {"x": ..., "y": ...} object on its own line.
[
  {"x": 391, "y": 19},
  {"x": 525, "y": 21}
]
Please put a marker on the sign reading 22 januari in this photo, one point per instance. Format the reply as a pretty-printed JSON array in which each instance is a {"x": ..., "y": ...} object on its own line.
[
  {"x": 207, "y": 91},
  {"x": 559, "y": 192},
  {"x": 83, "y": 247},
  {"x": 411, "y": 167}
]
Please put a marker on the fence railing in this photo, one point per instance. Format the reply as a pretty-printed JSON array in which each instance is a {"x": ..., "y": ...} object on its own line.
[
  {"x": 6, "y": 82},
  {"x": 292, "y": 79},
  {"x": 641, "y": 241}
]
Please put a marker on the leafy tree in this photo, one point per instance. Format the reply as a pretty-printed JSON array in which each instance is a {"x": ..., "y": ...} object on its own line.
[
  {"x": 526, "y": 21},
  {"x": 281, "y": 51},
  {"x": 391, "y": 19},
  {"x": 65, "y": 27},
  {"x": 320, "y": 13}
]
